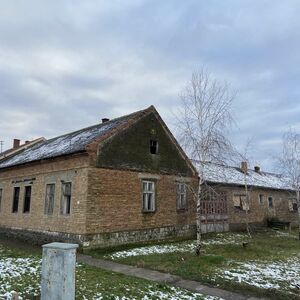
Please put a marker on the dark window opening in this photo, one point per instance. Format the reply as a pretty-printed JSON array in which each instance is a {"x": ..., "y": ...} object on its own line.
[
  {"x": 153, "y": 147},
  {"x": 27, "y": 198},
  {"x": 295, "y": 207},
  {"x": 270, "y": 199},
  {"x": 16, "y": 199}
]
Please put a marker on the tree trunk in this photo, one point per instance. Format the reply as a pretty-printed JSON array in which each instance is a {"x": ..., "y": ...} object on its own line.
[
  {"x": 247, "y": 206},
  {"x": 198, "y": 218}
]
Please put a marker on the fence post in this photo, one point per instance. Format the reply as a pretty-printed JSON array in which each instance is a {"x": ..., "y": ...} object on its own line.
[{"x": 58, "y": 271}]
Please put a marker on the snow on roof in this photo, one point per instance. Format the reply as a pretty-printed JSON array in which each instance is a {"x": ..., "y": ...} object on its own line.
[
  {"x": 66, "y": 144},
  {"x": 216, "y": 173}
]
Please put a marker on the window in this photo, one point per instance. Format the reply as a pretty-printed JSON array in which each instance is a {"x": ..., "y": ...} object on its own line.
[
  {"x": 16, "y": 199},
  {"x": 239, "y": 202},
  {"x": 293, "y": 205},
  {"x": 27, "y": 198},
  {"x": 181, "y": 196},
  {"x": 65, "y": 207},
  {"x": 270, "y": 201},
  {"x": 1, "y": 193},
  {"x": 148, "y": 196},
  {"x": 153, "y": 147},
  {"x": 49, "y": 199},
  {"x": 261, "y": 198}
]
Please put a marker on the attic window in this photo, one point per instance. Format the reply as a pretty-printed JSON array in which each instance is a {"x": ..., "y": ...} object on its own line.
[{"x": 153, "y": 147}]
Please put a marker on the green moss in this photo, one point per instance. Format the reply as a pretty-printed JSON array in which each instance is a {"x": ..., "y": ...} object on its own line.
[{"x": 131, "y": 150}]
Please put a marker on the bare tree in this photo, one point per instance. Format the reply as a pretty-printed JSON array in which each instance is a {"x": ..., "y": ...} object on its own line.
[
  {"x": 289, "y": 162},
  {"x": 203, "y": 121}
]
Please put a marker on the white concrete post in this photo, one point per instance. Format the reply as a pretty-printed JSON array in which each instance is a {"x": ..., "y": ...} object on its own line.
[{"x": 58, "y": 271}]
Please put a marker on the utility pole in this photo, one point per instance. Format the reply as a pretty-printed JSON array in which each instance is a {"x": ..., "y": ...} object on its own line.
[{"x": 1, "y": 146}]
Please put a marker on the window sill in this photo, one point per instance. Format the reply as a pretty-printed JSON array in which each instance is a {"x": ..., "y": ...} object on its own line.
[
  {"x": 148, "y": 211},
  {"x": 184, "y": 209}
]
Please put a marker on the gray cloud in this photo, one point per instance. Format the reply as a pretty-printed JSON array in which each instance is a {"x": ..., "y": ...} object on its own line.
[{"x": 64, "y": 65}]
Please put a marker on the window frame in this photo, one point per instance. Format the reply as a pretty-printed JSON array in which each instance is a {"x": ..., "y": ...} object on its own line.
[
  {"x": 16, "y": 202},
  {"x": 261, "y": 199},
  {"x": 242, "y": 206},
  {"x": 69, "y": 200},
  {"x": 147, "y": 192},
  {"x": 47, "y": 203},
  {"x": 179, "y": 193},
  {"x": 270, "y": 197},
  {"x": 1, "y": 198},
  {"x": 153, "y": 147},
  {"x": 25, "y": 198}
]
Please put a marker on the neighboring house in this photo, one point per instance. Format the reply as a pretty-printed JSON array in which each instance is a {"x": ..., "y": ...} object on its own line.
[
  {"x": 270, "y": 195},
  {"x": 17, "y": 147},
  {"x": 117, "y": 182}
]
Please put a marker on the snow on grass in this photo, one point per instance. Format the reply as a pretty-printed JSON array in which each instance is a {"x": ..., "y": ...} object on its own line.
[
  {"x": 188, "y": 246},
  {"x": 283, "y": 275},
  {"x": 17, "y": 272},
  {"x": 151, "y": 292},
  {"x": 22, "y": 274}
]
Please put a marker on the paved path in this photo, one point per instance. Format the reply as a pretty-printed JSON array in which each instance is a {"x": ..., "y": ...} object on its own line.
[{"x": 173, "y": 280}]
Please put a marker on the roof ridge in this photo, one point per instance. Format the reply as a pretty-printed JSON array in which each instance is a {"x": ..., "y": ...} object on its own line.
[{"x": 100, "y": 124}]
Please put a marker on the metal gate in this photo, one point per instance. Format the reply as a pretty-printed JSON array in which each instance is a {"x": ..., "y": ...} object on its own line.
[{"x": 214, "y": 215}]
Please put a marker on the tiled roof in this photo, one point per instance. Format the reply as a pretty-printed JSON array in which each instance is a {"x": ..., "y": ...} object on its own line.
[
  {"x": 221, "y": 174},
  {"x": 70, "y": 143}
]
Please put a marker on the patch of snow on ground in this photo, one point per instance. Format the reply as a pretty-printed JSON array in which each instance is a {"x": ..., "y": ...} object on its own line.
[
  {"x": 189, "y": 246},
  {"x": 171, "y": 294},
  {"x": 266, "y": 275},
  {"x": 15, "y": 270}
]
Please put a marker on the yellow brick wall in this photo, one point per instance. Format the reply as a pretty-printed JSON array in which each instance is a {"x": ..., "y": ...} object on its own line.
[
  {"x": 114, "y": 202},
  {"x": 258, "y": 213},
  {"x": 72, "y": 168}
]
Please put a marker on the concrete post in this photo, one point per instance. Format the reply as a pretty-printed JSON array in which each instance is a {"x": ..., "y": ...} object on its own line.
[{"x": 58, "y": 271}]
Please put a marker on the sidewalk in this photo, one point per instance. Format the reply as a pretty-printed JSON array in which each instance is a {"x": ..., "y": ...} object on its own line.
[{"x": 173, "y": 280}]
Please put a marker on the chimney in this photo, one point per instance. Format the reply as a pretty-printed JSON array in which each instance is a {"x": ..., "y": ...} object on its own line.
[
  {"x": 257, "y": 169},
  {"x": 244, "y": 166},
  {"x": 104, "y": 120},
  {"x": 16, "y": 143}
]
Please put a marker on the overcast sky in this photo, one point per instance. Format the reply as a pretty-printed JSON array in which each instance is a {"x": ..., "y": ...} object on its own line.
[{"x": 66, "y": 64}]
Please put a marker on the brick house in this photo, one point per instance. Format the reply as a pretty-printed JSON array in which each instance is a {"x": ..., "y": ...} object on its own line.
[
  {"x": 120, "y": 181},
  {"x": 270, "y": 195}
]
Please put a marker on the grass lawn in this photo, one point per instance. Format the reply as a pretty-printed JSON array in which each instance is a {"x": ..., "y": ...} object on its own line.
[
  {"x": 20, "y": 271},
  {"x": 268, "y": 266}
]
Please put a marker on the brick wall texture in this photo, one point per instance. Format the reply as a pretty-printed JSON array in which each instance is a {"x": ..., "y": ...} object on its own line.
[{"x": 103, "y": 201}]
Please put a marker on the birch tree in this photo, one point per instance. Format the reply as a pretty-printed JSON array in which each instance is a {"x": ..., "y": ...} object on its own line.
[
  {"x": 290, "y": 163},
  {"x": 203, "y": 121}
]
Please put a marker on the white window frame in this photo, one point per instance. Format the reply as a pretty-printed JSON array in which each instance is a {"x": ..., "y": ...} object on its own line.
[
  {"x": 148, "y": 195},
  {"x": 181, "y": 195}
]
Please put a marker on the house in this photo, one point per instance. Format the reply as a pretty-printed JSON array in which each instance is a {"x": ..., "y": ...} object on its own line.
[
  {"x": 270, "y": 195},
  {"x": 17, "y": 147},
  {"x": 121, "y": 181}
]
